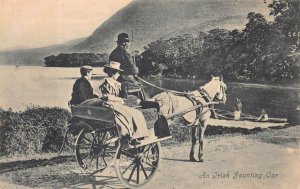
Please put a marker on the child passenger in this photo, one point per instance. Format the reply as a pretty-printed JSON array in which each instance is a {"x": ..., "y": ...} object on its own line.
[
  {"x": 82, "y": 89},
  {"x": 131, "y": 122}
]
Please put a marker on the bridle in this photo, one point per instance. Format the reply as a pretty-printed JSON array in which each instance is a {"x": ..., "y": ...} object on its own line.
[{"x": 223, "y": 88}]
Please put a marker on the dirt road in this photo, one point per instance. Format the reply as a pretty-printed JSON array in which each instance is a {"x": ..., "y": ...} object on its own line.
[{"x": 268, "y": 159}]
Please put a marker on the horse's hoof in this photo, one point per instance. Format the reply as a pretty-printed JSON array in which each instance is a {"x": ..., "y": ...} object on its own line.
[
  {"x": 192, "y": 159},
  {"x": 201, "y": 160}
]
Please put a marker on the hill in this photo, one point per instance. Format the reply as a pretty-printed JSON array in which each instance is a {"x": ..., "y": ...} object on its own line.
[
  {"x": 155, "y": 19},
  {"x": 150, "y": 20},
  {"x": 35, "y": 56}
]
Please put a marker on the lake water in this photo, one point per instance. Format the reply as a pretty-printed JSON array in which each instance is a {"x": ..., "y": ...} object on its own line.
[{"x": 46, "y": 86}]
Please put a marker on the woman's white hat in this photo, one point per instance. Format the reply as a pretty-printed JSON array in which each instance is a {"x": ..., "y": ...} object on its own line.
[{"x": 114, "y": 65}]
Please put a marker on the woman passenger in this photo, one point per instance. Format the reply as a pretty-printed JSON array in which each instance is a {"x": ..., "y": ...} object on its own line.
[{"x": 131, "y": 122}]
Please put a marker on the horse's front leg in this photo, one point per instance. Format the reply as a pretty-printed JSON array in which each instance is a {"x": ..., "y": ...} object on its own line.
[
  {"x": 194, "y": 140},
  {"x": 201, "y": 138}
]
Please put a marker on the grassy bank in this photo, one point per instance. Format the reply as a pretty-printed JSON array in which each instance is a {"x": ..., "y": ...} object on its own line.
[
  {"x": 35, "y": 130},
  {"x": 38, "y": 130}
]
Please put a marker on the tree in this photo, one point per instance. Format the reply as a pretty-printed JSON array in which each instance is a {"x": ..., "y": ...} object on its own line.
[{"x": 76, "y": 59}]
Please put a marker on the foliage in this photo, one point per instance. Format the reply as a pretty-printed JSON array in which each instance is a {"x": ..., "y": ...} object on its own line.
[
  {"x": 260, "y": 52},
  {"x": 76, "y": 59},
  {"x": 34, "y": 130},
  {"x": 41, "y": 129}
]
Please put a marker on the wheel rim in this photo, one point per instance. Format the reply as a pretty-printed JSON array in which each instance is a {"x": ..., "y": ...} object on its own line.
[
  {"x": 95, "y": 149},
  {"x": 136, "y": 166}
]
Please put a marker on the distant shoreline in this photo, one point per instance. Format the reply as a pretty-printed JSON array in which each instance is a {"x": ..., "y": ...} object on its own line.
[{"x": 294, "y": 86}]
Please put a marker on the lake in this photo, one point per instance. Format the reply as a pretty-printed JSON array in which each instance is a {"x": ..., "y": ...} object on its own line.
[{"x": 46, "y": 86}]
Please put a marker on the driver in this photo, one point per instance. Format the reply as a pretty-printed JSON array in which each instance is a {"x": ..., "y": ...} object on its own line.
[{"x": 128, "y": 77}]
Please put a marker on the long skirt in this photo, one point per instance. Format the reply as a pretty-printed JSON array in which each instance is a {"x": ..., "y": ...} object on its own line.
[{"x": 130, "y": 121}]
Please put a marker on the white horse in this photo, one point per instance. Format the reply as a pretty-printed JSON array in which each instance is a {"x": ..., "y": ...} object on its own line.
[{"x": 171, "y": 102}]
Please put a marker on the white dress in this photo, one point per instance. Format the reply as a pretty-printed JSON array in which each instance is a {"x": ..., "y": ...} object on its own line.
[{"x": 130, "y": 121}]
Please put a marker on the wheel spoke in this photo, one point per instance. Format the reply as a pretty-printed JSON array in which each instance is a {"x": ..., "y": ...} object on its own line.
[
  {"x": 87, "y": 154},
  {"x": 143, "y": 169},
  {"x": 105, "y": 163},
  {"x": 84, "y": 138},
  {"x": 132, "y": 173},
  {"x": 94, "y": 149},
  {"x": 147, "y": 150},
  {"x": 97, "y": 162},
  {"x": 128, "y": 167},
  {"x": 138, "y": 173},
  {"x": 91, "y": 159},
  {"x": 145, "y": 164}
]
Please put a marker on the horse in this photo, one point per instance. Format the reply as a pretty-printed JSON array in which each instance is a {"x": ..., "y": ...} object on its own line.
[{"x": 171, "y": 102}]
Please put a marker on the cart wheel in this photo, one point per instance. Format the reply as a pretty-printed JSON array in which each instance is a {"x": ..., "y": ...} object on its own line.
[
  {"x": 95, "y": 149},
  {"x": 136, "y": 166}
]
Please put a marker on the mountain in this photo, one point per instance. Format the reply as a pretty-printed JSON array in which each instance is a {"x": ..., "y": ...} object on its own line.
[
  {"x": 150, "y": 20},
  {"x": 35, "y": 56}
]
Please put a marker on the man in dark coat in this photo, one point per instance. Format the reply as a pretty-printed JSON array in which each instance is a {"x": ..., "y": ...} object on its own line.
[
  {"x": 121, "y": 55},
  {"x": 82, "y": 89},
  {"x": 128, "y": 77}
]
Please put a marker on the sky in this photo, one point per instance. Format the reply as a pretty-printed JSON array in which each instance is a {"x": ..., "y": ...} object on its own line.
[{"x": 38, "y": 23}]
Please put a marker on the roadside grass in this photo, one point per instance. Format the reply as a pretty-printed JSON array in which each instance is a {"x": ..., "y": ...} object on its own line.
[
  {"x": 288, "y": 136},
  {"x": 38, "y": 132},
  {"x": 33, "y": 131},
  {"x": 45, "y": 169}
]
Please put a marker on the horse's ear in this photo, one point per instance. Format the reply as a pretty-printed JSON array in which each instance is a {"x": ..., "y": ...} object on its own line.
[
  {"x": 221, "y": 78},
  {"x": 211, "y": 76}
]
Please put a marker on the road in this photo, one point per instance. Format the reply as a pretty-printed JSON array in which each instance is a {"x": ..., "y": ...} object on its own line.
[{"x": 230, "y": 161}]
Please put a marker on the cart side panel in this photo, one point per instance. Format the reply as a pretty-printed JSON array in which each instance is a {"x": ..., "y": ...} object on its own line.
[{"x": 103, "y": 114}]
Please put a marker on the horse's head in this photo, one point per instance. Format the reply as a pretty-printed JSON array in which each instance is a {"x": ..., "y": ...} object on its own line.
[{"x": 216, "y": 88}]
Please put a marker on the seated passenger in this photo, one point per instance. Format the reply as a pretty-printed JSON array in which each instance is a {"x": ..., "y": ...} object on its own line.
[
  {"x": 82, "y": 89},
  {"x": 131, "y": 122},
  {"x": 264, "y": 116}
]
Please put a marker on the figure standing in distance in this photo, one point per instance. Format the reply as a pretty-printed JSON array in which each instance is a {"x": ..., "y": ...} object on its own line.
[
  {"x": 120, "y": 54},
  {"x": 264, "y": 116},
  {"x": 82, "y": 89},
  {"x": 237, "y": 109}
]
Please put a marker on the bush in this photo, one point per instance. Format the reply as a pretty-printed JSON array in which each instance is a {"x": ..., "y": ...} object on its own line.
[
  {"x": 41, "y": 129},
  {"x": 35, "y": 130}
]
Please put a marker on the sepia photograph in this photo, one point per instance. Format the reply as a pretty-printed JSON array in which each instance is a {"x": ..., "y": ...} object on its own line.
[{"x": 166, "y": 94}]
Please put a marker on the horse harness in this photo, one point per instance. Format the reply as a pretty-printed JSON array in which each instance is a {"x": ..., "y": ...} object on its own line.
[
  {"x": 199, "y": 111},
  {"x": 195, "y": 101}
]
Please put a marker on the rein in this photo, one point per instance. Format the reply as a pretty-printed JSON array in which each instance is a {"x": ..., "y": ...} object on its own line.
[
  {"x": 163, "y": 89},
  {"x": 190, "y": 109}
]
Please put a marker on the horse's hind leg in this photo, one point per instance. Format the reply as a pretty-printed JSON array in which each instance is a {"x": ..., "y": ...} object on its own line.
[
  {"x": 201, "y": 138},
  {"x": 194, "y": 140}
]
